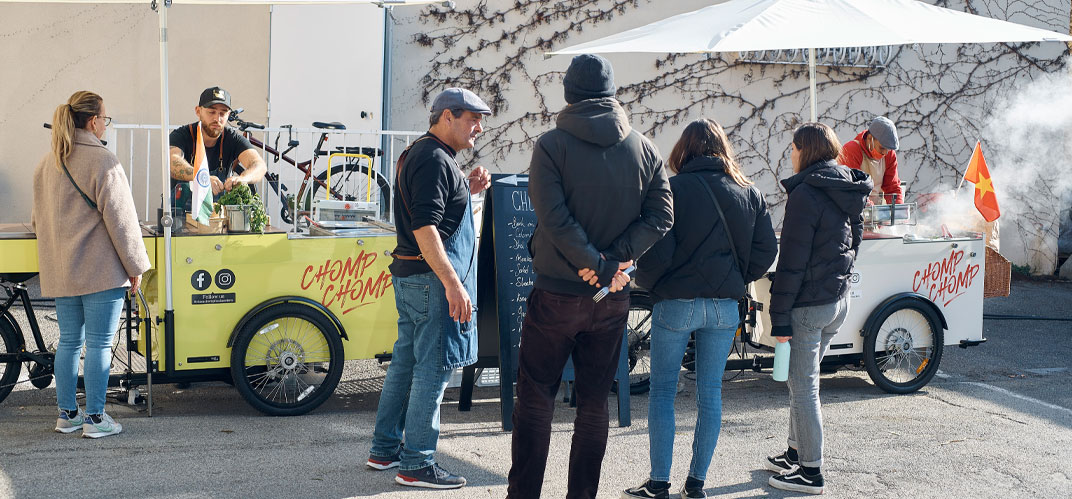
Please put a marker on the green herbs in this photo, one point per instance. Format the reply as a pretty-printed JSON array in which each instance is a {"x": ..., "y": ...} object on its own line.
[{"x": 241, "y": 194}]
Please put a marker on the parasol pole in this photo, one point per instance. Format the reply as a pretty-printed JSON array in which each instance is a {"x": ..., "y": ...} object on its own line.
[{"x": 811, "y": 78}]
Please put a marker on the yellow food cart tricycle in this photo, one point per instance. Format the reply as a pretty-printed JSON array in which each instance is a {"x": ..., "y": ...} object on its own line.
[{"x": 276, "y": 313}]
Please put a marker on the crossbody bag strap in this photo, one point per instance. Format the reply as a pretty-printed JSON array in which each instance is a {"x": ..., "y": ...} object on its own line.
[
  {"x": 729, "y": 236},
  {"x": 692, "y": 258},
  {"x": 79, "y": 189}
]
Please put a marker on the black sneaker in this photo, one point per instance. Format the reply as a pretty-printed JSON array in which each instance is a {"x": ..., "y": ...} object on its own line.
[
  {"x": 693, "y": 489},
  {"x": 797, "y": 481},
  {"x": 384, "y": 462},
  {"x": 650, "y": 489},
  {"x": 430, "y": 477},
  {"x": 780, "y": 463}
]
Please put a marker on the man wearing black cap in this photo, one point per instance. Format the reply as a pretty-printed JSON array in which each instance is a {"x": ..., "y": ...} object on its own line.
[
  {"x": 224, "y": 147},
  {"x": 875, "y": 152},
  {"x": 602, "y": 198},
  {"x": 434, "y": 279}
]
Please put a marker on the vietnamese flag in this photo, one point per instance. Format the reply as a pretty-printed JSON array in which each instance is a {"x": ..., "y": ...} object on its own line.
[{"x": 986, "y": 200}]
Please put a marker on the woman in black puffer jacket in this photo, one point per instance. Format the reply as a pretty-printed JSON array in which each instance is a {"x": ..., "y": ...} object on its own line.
[
  {"x": 696, "y": 282},
  {"x": 821, "y": 233}
]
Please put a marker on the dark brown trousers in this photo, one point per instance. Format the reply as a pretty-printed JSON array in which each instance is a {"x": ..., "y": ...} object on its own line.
[{"x": 555, "y": 327}]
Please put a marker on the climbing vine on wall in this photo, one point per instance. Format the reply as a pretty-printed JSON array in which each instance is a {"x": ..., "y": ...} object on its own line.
[{"x": 940, "y": 96}]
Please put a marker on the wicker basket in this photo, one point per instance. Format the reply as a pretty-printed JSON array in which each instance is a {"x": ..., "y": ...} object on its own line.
[{"x": 998, "y": 277}]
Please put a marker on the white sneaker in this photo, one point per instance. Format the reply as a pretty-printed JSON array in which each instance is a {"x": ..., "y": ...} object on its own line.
[
  {"x": 106, "y": 426},
  {"x": 66, "y": 424}
]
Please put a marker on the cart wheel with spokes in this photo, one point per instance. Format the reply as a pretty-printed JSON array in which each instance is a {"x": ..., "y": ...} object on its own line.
[
  {"x": 639, "y": 342},
  {"x": 287, "y": 360},
  {"x": 9, "y": 371},
  {"x": 903, "y": 348}
]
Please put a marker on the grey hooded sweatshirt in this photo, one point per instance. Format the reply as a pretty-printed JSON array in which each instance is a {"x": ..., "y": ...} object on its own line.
[{"x": 600, "y": 194}]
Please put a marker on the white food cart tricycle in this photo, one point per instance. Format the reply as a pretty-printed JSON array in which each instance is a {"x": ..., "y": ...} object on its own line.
[{"x": 910, "y": 296}]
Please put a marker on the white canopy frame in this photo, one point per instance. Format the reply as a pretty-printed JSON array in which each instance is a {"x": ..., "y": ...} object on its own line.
[{"x": 161, "y": 8}]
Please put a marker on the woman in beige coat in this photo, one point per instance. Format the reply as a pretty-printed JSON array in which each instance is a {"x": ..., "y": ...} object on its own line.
[{"x": 89, "y": 249}]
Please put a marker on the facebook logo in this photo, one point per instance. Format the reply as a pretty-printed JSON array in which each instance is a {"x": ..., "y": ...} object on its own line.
[{"x": 201, "y": 280}]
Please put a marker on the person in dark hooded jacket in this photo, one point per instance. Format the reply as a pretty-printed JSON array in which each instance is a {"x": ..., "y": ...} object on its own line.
[
  {"x": 696, "y": 278},
  {"x": 601, "y": 199},
  {"x": 821, "y": 234}
]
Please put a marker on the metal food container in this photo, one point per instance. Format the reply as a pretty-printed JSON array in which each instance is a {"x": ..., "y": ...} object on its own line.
[
  {"x": 238, "y": 217},
  {"x": 890, "y": 214}
]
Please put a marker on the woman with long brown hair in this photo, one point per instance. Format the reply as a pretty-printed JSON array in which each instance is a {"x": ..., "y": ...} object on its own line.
[
  {"x": 722, "y": 239},
  {"x": 821, "y": 232},
  {"x": 89, "y": 249}
]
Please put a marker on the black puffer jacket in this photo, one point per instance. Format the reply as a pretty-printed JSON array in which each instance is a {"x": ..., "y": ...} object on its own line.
[
  {"x": 597, "y": 186},
  {"x": 694, "y": 259},
  {"x": 821, "y": 233}
]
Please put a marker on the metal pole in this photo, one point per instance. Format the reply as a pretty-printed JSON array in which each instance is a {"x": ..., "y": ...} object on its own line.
[
  {"x": 165, "y": 200},
  {"x": 811, "y": 78},
  {"x": 165, "y": 148},
  {"x": 385, "y": 111}
]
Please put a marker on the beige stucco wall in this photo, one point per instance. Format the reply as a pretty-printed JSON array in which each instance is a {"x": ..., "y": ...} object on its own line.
[
  {"x": 49, "y": 51},
  {"x": 944, "y": 97}
]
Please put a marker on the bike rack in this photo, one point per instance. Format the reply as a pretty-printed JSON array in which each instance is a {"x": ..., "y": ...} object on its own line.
[{"x": 368, "y": 190}]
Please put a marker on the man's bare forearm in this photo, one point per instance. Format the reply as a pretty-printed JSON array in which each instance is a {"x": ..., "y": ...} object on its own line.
[
  {"x": 180, "y": 169},
  {"x": 436, "y": 255}
]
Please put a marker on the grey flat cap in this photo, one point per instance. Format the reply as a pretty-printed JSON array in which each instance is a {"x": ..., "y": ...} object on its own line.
[
  {"x": 459, "y": 98},
  {"x": 884, "y": 132}
]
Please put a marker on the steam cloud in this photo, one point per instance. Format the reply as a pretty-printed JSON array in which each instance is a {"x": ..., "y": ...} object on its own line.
[{"x": 1028, "y": 146}]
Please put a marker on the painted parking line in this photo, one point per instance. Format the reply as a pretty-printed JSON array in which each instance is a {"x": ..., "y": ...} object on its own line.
[{"x": 1019, "y": 396}]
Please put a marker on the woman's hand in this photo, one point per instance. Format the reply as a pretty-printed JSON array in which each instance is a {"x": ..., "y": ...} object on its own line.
[
  {"x": 782, "y": 339},
  {"x": 135, "y": 284}
]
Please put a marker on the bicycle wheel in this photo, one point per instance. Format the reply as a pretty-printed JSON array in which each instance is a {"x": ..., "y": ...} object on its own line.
[
  {"x": 902, "y": 352},
  {"x": 350, "y": 182},
  {"x": 9, "y": 371},
  {"x": 639, "y": 344},
  {"x": 287, "y": 360}
]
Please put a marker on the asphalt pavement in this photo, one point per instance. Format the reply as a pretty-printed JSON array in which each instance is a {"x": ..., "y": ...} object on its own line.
[{"x": 995, "y": 422}]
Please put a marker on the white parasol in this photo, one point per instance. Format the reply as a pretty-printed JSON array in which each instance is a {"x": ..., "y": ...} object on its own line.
[{"x": 747, "y": 25}]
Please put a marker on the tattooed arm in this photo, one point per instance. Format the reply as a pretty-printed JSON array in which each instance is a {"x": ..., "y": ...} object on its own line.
[{"x": 180, "y": 169}]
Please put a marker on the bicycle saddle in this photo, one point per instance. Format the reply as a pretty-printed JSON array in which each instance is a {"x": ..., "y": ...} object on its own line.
[
  {"x": 367, "y": 151},
  {"x": 334, "y": 125}
]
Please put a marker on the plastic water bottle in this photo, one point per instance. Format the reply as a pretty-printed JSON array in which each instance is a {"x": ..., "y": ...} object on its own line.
[{"x": 781, "y": 361}]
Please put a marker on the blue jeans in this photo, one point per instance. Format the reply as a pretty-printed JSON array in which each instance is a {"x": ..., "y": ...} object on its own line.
[
  {"x": 714, "y": 321},
  {"x": 813, "y": 328},
  {"x": 92, "y": 319},
  {"x": 416, "y": 378}
]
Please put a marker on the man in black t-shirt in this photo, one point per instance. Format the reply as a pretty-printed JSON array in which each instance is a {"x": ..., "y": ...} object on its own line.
[
  {"x": 434, "y": 281},
  {"x": 232, "y": 160}
]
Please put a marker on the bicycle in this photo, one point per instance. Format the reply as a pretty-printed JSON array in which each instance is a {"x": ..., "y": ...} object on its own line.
[
  {"x": 39, "y": 359},
  {"x": 348, "y": 181}
]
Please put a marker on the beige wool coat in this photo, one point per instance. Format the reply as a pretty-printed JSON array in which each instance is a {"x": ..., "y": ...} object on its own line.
[{"x": 81, "y": 250}]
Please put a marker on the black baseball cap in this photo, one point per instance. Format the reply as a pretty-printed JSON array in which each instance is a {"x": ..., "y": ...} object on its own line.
[{"x": 215, "y": 95}]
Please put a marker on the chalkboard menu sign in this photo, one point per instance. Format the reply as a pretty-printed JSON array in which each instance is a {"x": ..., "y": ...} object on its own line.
[{"x": 505, "y": 278}]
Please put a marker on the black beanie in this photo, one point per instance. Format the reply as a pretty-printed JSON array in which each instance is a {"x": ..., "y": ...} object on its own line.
[{"x": 588, "y": 77}]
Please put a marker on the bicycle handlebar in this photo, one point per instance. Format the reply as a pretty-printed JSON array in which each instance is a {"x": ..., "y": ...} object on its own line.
[{"x": 242, "y": 124}]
